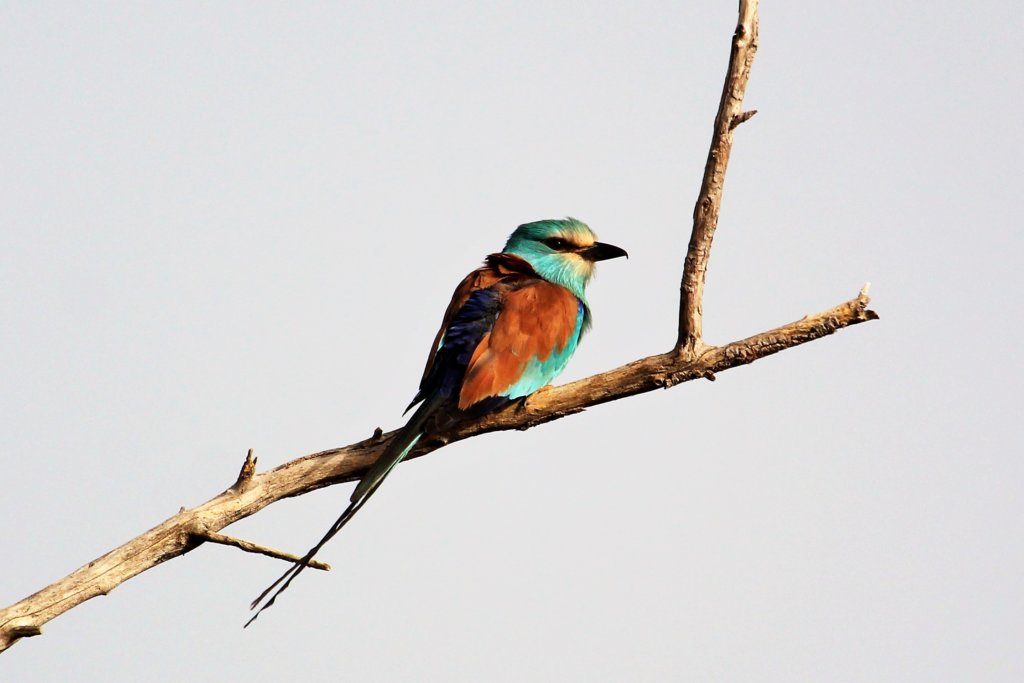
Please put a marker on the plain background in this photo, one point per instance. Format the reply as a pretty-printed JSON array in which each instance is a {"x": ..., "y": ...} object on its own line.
[{"x": 233, "y": 225}]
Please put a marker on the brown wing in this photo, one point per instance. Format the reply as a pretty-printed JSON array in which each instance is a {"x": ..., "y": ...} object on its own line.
[{"x": 495, "y": 268}]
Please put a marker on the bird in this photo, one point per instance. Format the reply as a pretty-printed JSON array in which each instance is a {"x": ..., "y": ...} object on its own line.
[{"x": 511, "y": 327}]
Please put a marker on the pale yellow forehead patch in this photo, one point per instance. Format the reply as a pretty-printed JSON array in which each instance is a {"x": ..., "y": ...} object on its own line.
[
  {"x": 578, "y": 238},
  {"x": 582, "y": 239}
]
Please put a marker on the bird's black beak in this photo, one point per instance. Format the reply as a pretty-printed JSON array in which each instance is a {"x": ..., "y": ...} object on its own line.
[{"x": 599, "y": 251}]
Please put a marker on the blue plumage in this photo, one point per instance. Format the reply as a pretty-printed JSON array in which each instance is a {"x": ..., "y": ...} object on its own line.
[
  {"x": 539, "y": 373},
  {"x": 471, "y": 322}
]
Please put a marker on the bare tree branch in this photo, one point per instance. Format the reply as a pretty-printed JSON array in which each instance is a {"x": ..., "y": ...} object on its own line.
[
  {"x": 178, "y": 535},
  {"x": 690, "y": 359}
]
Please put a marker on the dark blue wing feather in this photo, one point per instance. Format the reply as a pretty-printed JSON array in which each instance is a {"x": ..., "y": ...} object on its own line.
[{"x": 464, "y": 332}]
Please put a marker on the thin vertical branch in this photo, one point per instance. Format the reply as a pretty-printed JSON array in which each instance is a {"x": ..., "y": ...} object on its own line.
[{"x": 709, "y": 201}]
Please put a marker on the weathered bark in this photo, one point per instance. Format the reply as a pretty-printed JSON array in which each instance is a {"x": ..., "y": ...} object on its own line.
[{"x": 689, "y": 359}]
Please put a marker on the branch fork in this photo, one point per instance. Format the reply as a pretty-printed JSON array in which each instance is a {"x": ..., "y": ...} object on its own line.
[{"x": 689, "y": 359}]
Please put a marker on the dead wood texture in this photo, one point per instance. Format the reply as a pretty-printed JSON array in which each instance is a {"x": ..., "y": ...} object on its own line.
[
  {"x": 689, "y": 359},
  {"x": 709, "y": 201}
]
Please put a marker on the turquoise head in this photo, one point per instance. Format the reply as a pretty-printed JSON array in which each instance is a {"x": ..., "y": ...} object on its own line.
[{"x": 561, "y": 251}]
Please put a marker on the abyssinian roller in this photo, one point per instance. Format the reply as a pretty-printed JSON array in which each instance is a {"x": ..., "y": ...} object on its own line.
[{"x": 510, "y": 329}]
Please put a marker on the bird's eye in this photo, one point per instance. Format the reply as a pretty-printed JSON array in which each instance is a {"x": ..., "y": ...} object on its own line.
[{"x": 556, "y": 243}]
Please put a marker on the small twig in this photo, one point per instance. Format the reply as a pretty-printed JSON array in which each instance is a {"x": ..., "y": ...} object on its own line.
[
  {"x": 249, "y": 547},
  {"x": 742, "y": 118},
  {"x": 245, "y": 474},
  {"x": 26, "y": 631}
]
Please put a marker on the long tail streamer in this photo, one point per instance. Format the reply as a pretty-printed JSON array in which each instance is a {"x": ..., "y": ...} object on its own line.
[{"x": 396, "y": 451}]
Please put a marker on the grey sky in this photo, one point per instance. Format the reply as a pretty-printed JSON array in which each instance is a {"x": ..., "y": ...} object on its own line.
[{"x": 226, "y": 226}]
